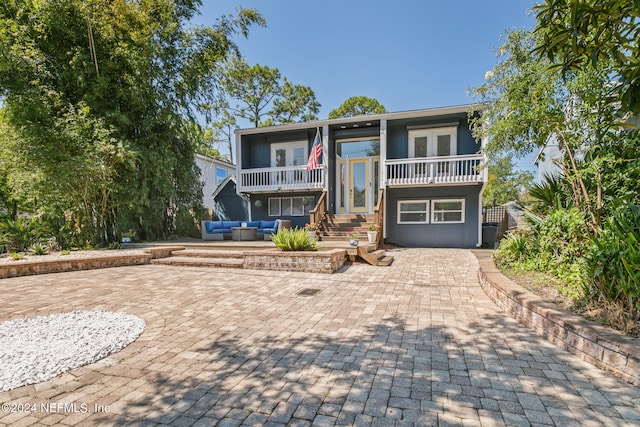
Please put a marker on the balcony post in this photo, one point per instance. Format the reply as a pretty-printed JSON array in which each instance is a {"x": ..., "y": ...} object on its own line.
[{"x": 325, "y": 158}]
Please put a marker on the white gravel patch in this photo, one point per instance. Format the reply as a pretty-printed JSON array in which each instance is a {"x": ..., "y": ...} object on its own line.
[{"x": 36, "y": 349}]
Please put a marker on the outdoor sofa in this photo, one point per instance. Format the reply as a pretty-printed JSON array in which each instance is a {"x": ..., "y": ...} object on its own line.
[{"x": 221, "y": 230}]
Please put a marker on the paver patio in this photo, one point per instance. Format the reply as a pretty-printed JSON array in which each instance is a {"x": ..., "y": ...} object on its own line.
[{"x": 417, "y": 343}]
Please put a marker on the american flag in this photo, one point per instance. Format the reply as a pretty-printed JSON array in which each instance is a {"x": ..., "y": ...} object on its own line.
[{"x": 314, "y": 155}]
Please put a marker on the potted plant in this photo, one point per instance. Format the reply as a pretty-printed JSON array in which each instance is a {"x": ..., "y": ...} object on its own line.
[
  {"x": 353, "y": 238},
  {"x": 372, "y": 234}
]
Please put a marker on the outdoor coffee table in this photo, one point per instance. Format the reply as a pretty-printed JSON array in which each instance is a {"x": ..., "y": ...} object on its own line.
[{"x": 243, "y": 233}]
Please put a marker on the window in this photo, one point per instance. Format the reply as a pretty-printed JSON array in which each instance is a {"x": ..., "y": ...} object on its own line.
[
  {"x": 221, "y": 175},
  {"x": 274, "y": 206},
  {"x": 289, "y": 154},
  {"x": 448, "y": 211},
  {"x": 289, "y": 206},
  {"x": 433, "y": 142},
  {"x": 443, "y": 211},
  {"x": 413, "y": 212}
]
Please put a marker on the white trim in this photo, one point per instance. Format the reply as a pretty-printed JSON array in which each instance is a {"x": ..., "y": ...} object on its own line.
[
  {"x": 290, "y": 200},
  {"x": 239, "y": 163},
  {"x": 406, "y": 201},
  {"x": 325, "y": 159},
  {"x": 479, "y": 244},
  {"x": 433, "y": 211},
  {"x": 429, "y": 112},
  {"x": 269, "y": 213}
]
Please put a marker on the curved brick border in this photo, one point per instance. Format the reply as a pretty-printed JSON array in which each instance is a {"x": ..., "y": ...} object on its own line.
[{"x": 590, "y": 341}]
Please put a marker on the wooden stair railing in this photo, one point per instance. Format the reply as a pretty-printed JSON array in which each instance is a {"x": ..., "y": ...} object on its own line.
[
  {"x": 378, "y": 216},
  {"x": 318, "y": 214}
]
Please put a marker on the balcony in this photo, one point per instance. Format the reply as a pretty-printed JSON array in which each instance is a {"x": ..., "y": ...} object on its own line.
[
  {"x": 280, "y": 179},
  {"x": 465, "y": 169}
]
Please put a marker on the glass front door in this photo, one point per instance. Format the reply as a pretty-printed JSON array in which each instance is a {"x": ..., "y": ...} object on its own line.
[{"x": 359, "y": 185}]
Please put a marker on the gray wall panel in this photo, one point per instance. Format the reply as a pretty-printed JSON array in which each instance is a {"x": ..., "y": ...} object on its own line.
[{"x": 434, "y": 235}]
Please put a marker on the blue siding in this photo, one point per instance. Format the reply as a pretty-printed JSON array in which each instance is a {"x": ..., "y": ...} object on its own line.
[
  {"x": 262, "y": 212},
  {"x": 398, "y": 134},
  {"x": 256, "y": 149},
  {"x": 228, "y": 206},
  {"x": 434, "y": 235}
]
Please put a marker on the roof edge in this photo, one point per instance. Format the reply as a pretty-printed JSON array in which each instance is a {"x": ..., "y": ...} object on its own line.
[{"x": 428, "y": 112}]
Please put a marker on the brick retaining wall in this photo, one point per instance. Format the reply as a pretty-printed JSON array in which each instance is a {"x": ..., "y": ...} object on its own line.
[
  {"x": 590, "y": 341},
  {"x": 312, "y": 262},
  {"x": 31, "y": 267}
]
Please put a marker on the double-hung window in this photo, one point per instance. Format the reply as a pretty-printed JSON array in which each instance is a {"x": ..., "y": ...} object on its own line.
[
  {"x": 440, "y": 211},
  {"x": 413, "y": 212},
  {"x": 447, "y": 211},
  {"x": 289, "y": 206}
]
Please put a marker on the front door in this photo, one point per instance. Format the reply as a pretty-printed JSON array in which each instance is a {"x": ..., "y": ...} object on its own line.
[{"x": 357, "y": 185}]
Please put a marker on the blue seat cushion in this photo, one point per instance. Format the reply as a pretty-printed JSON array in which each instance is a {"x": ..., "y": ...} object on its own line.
[
  {"x": 220, "y": 231},
  {"x": 267, "y": 224},
  {"x": 253, "y": 224},
  {"x": 210, "y": 226},
  {"x": 229, "y": 224}
]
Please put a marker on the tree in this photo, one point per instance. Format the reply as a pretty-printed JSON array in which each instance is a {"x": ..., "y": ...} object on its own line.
[
  {"x": 505, "y": 183},
  {"x": 296, "y": 103},
  {"x": 528, "y": 100},
  {"x": 357, "y": 106},
  {"x": 98, "y": 95},
  {"x": 580, "y": 33},
  {"x": 259, "y": 94}
]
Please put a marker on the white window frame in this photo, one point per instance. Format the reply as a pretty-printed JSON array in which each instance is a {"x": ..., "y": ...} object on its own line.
[
  {"x": 290, "y": 201},
  {"x": 433, "y": 211},
  {"x": 432, "y": 134},
  {"x": 406, "y": 201},
  {"x": 289, "y": 147},
  {"x": 226, "y": 174},
  {"x": 269, "y": 206}
]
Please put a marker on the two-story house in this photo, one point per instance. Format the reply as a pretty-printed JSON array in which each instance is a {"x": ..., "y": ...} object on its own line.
[{"x": 418, "y": 174}]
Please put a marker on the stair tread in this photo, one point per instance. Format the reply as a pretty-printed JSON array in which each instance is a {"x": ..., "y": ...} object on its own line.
[
  {"x": 200, "y": 262},
  {"x": 386, "y": 261},
  {"x": 208, "y": 253}
]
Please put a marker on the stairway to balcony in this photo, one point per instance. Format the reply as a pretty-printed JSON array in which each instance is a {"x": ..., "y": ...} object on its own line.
[{"x": 337, "y": 226}]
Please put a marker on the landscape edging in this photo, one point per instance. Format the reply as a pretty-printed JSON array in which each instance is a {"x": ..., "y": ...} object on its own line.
[
  {"x": 32, "y": 267},
  {"x": 590, "y": 341}
]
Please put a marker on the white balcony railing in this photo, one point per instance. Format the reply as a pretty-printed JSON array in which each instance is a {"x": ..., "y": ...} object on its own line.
[
  {"x": 280, "y": 178},
  {"x": 435, "y": 170}
]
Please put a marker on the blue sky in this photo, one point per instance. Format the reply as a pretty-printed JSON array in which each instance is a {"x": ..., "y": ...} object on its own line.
[{"x": 408, "y": 54}]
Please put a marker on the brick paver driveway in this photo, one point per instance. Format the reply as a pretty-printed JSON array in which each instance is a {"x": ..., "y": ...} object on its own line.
[{"x": 417, "y": 343}]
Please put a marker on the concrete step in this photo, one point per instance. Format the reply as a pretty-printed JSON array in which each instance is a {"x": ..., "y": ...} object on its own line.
[
  {"x": 199, "y": 261},
  {"x": 208, "y": 253}
]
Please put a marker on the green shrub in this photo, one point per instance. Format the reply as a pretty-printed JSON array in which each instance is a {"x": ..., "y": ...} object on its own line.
[
  {"x": 16, "y": 255},
  {"x": 187, "y": 223},
  {"x": 38, "y": 249},
  {"x": 296, "y": 239},
  {"x": 114, "y": 245},
  {"x": 554, "y": 244},
  {"x": 20, "y": 234},
  {"x": 512, "y": 249},
  {"x": 613, "y": 261}
]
